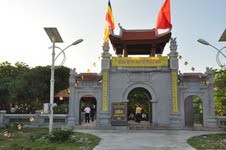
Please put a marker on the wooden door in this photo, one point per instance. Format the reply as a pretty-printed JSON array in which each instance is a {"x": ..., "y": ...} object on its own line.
[{"x": 188, "y": 112}]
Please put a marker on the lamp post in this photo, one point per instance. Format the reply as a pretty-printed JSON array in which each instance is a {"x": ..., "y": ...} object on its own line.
[
  {"x": 219, "y": 51},
  {"x": 55, "y": 37}
]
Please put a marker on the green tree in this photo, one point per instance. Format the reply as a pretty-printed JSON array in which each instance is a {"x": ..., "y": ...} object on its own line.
[
  {"x": 139, "y": 96},
  {"x": 34, "y": 85},
  {"x": 197, "y": 110},
  {"x": 22, "y": 85},
  {"x": 8, "y": 76},
  {"x": 31, "y": 85},
  {"x": 61, "y": 78},
  {"x": 220, "y": 91}
]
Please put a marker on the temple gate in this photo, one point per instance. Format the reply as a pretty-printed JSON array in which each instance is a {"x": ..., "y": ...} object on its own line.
[{"x": 139, "y": 64}]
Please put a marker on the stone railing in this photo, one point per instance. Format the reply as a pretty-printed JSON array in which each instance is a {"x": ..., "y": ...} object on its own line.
[
  {"x": 33, "y": 120},
  {"x": 221, "y": 121}
]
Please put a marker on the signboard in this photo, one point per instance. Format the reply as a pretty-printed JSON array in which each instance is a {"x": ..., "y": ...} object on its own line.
[
  {"x": 174, "y": 92},
  {"x": 119, "y": 114},
  {"x": 105, "y": 91},
  {"x": 161, "y": 61}
]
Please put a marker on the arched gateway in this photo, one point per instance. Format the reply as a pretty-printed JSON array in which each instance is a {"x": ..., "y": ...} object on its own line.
[
  {"x": 164, "y": 90},
  {"x": 139, "y": 96}
]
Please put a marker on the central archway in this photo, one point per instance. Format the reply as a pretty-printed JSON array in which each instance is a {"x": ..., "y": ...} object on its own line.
[{"x": 139, "y": 96}]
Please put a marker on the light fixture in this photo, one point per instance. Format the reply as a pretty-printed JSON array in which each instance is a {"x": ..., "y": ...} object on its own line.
[
  {"x": 203, "y": 41},
  {"x": 219, "y": 52},
  {"x": 32, "y": 119},
  {"x": 19, "y": 126},
  {"x": 61, "y": 98}
]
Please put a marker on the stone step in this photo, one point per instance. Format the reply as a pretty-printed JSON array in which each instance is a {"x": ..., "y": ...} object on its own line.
[{"x": 139, "y": 126}]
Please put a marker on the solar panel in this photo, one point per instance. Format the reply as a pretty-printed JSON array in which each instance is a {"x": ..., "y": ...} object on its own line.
[{"x": 223, "y": 36}]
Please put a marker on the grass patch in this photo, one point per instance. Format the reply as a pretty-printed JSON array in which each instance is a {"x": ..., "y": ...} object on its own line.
[
  {"x": 38, "y": 139},
  {"x": 210, "y": 141}
]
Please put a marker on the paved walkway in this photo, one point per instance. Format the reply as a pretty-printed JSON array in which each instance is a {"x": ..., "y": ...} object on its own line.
[{"x": 144, "y": 139}]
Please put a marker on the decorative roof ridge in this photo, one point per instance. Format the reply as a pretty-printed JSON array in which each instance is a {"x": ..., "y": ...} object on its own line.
[
  {"x": 115, "y": 35},
  {"x": 138, "y": 30},
  {"x": 190, "y": 73},
  {"x": 85, "y": 73}
]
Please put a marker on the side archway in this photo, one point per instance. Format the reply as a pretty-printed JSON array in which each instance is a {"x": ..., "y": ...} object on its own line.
[
  {"x": 90, "y": 101},
  {"x": 193, "y": 111}
]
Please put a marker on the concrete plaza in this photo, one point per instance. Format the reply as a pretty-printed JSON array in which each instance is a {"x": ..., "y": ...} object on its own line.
[{"x": 144, "y": 139}]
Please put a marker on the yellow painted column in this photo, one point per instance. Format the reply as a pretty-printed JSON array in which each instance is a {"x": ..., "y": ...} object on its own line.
[
  {"x": 175, "y": 91},
  {"x": 105, "y": 91}
]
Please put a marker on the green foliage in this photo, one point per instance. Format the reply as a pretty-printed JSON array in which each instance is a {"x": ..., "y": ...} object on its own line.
[
  {"x": 8, "y": 76},
  {"x": 139, "y": 96},
  {"x": 7, "y": 70},
  {"x": 21, "y": 85},
  {"x": 61, "y": 78},
  {"x": 211, "y": 141},
  {"x": 37, "y": 139},
  {"x": 59, "y": 135},
  {"x": 220, "y": 92},
  {"x": 32, "y": 85},
  {"x": 12, "y": 127},
  {"x": 197, "y": 110},
  {"x": 17, "y": 146},
  {"x": 61, "y": 109}
]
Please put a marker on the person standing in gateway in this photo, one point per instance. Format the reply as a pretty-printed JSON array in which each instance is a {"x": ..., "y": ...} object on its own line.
[
  {"x": 138, "y": 114},
  {"x": 87, "y": 113}
]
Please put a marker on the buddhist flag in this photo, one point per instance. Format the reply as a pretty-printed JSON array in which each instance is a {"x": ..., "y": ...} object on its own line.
[
  {"x": 109, "y": 22},
  {"x": 163, "y": 20}
]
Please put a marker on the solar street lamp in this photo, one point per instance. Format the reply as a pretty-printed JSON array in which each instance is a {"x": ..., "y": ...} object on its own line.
[{"x": 55, "y": 37}]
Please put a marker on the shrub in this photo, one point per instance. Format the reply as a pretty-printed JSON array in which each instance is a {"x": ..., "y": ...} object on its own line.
[
  {"x": 61, "y": 109},
  {"x": 59, "y": 135},
  {"x": 11, "y": 127}
]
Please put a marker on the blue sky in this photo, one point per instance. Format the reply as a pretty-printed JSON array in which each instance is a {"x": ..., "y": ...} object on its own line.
[{"x": 24, "y": 39}]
